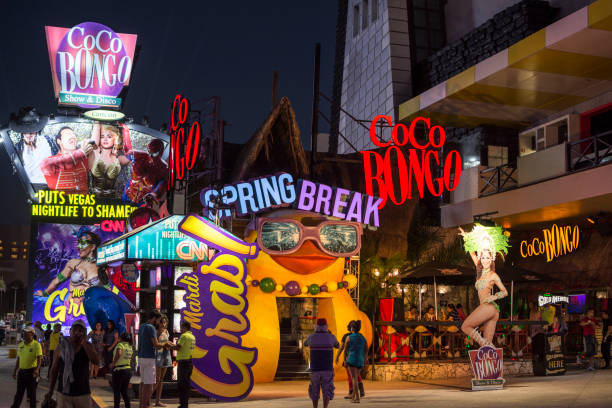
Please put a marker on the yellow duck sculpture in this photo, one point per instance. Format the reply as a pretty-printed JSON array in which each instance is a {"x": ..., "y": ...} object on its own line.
[{"x": 311, "y": 268}]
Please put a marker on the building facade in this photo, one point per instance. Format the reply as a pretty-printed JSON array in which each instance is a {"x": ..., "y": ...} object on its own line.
[{"x": 524, "y": 91}]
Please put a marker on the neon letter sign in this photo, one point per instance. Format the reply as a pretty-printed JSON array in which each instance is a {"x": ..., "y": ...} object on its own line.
[
  {"x": 177, "y": 163},
  {"x": 416, "y": 166}
]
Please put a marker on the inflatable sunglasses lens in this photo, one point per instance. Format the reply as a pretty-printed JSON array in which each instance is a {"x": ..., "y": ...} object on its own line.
[
  {"x": 280, "y": 236},
  {"x": 339, "y": 238}
]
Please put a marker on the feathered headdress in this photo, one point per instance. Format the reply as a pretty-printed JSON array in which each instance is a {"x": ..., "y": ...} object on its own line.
[{"x": 483, "y": 238}]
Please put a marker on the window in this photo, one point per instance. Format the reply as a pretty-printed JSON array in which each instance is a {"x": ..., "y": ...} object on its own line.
[
  {"x": 427, "y": 26},
  {"x": 497, "y": 155},
  {"x": 355, "y": 21},
  {"x": 364, "y": 17},
  {"x": 374, "y": 10}
]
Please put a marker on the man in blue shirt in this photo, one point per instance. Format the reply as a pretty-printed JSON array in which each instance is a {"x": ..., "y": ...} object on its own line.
[
  {"x": 322, "y": 344},
  {"x": 147, "y": 343}
]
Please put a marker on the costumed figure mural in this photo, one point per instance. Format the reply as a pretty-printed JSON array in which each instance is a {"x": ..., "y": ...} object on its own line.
[
  {"x": 482, "y": 243},
  {"x": 301, "y": 254},
  {"x": 81, "y": 272},
  {"x": 32, "y": 147},
  {"x": 149, "y": 177},
  {"x": 67, "y": 170},
  {"x": 107, "y": 159}
]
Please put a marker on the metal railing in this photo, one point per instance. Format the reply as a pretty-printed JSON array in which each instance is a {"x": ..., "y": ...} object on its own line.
[
  {"x": 589, "y": 152},
  {"x": 498, "y": 179},
  {"x": 418, "y": 340}
]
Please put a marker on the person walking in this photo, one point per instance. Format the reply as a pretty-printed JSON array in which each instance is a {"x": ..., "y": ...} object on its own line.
[
  {"x": 71, "y": 364},
  {"x": 110, "y": 340},
  {"x": 350, "y": 381},
  {"x": 606, "y": 335},
  {"x": 147, "y": 343},
  {"x": 185, "y": 346},
  {"x": 53, "y": 342},
  {"x": 97, "y": 339},
  {"x": 27, "y": 368},
  {"x": 355, "y": 354},
  {"x": 163, "y": 359},
  {"x": 122, "y": 369},
  {"x": 322, "y": 344},
  {"x": 589, "y": 324}
]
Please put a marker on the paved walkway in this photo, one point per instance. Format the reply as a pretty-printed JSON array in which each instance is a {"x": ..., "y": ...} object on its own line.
[{"x": 576, "y": 389}]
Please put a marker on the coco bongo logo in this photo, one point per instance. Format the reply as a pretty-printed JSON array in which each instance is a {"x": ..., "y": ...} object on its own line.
[
  {"x": 416, "y": 167},
  {"x": 216, "y": 307},
  {"x": 487, "y": 363},
  {"x": 91, "y": 63},
  {"x": 183, "y": 148},
  {"x": 556, "y": 241}
]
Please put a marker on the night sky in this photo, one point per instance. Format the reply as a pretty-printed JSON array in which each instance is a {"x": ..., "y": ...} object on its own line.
[{"x": 199, "y": 49}]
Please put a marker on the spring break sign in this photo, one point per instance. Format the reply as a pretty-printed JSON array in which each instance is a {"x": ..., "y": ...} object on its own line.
[
  {"x": 90, "y": 64},
  {"x": 216, "y": 307}
]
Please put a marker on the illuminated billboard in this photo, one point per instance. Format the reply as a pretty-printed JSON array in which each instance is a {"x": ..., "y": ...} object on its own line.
[
  {"x": 90, "y": 64},
  {"x": 98, "y": 161},
  {"x": 160, "y": 240},
  {"x": 63, "y": 266}
]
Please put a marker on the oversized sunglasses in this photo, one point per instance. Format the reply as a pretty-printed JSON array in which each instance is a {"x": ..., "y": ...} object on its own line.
[{"x": 282, "y": 236}]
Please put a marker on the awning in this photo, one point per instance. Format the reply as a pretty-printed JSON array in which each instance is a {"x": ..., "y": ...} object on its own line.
[
  {"x": 158, "y": 241},
  {"x": 564, "y": 64}
]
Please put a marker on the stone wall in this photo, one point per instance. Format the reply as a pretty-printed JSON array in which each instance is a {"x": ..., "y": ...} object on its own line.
[
  {"x": 406, "y": 371},
  {"x": 504, "y": 29}
]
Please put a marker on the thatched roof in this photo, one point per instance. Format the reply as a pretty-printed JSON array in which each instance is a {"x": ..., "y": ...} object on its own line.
[{"x": 275, "y": 146}]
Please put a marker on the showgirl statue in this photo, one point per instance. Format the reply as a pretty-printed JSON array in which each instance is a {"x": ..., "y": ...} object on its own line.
[{"x": 482, "y": 243}]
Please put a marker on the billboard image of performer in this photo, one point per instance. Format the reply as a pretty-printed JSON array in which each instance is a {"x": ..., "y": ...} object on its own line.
[
  {"x": 81, "y": 272},
  {"x": 482, "y": 243},
  {"x": 32, "y": 147},
  {"x": 68, "y": 169},
  {"x": 106, "y": 160},
  {"x": 149, "y": 177}
]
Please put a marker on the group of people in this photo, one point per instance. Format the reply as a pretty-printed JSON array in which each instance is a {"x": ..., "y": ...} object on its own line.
[
  {"x": 78, "y": 357},
  {"x": 154, "y": 358},
  {"x": 589, "y": 324},
  {"x": 354, "y": 348},
  {"x": 449, "y": 313}
]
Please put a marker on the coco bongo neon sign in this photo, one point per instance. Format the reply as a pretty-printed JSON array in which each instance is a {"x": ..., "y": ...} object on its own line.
[
  {"x": 415, "y": 167},
  {"x": 556, "y": 241},
  {"x": 177, "y": 162}
]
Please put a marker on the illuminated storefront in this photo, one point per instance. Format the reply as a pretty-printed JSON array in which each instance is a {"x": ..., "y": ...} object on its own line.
[{"x": 157, "y": 254}]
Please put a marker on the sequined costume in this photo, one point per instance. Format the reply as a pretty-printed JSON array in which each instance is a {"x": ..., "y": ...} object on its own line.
[{"x": 104, "y": 178}]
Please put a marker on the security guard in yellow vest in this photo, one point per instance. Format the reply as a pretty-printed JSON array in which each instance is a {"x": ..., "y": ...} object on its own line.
[
  {"x": 185, "y": 348},
  {"x": 29, "y": 356}
]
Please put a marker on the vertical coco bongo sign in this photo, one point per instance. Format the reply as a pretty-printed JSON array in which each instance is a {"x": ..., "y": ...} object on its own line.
[
  {"x": 488, "y": 367},
  {"x": 216, "y": 307}
]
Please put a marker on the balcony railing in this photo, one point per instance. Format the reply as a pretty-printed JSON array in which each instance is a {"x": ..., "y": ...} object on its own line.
[
  {"x": 497, "y": 179},
  {"x": 589, "y": 152},
  {"x": 583, "y": 154}
]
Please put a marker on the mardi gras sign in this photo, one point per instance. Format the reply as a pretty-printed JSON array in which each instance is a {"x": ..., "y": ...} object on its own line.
[
  {"x": 216, "y": 307},
  {"x": 90, "y": 63},
  {"x": 488, "y": 366},
  {"x": 269, "y": 192},
  {"x": 416, "y": 167},
  {"x": 556, "y": 241}
]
